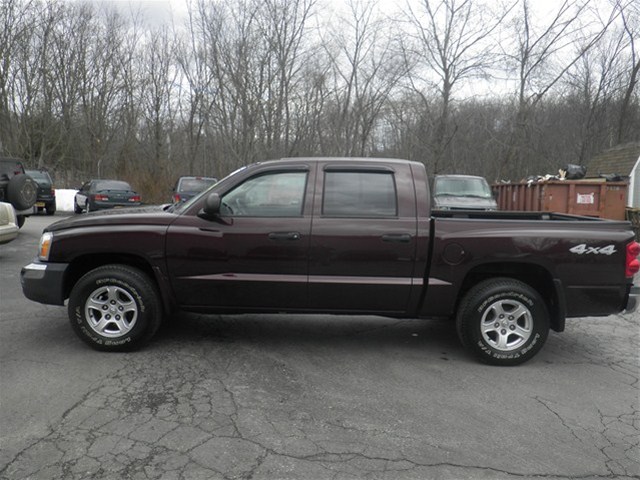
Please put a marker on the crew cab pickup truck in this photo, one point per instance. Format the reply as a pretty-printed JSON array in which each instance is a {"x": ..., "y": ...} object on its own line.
[{"x": 341, "y": 236}]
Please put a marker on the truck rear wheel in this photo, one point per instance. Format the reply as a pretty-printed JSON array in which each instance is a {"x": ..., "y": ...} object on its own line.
[
  {"x": 115, "y": 308},
  {"x": 503, "y": 321}
]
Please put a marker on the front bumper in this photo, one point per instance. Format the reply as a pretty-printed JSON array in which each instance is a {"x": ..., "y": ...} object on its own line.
[
  {"x": 44, "y": 282},
  {"x": 634, "y": 299}
]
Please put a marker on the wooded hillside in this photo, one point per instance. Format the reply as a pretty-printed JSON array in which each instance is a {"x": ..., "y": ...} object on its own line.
[{"x": 464, "y": 86}]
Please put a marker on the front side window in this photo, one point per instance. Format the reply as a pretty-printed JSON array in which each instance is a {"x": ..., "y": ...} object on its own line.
[
  {"x": 278, "y": 194},
  {"x": 359, "y": 194}
]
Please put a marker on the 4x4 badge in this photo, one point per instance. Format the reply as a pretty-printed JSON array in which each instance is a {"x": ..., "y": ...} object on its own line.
[{"x": 583, "y": 249}]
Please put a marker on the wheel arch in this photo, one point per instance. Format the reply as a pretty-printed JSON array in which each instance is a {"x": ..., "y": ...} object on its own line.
[
  {"x": 85, "y": 263},
  {"x": 536, "y": 276}
]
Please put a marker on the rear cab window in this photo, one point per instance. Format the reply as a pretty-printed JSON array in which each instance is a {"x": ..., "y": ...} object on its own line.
[{"x": 359, "y": 194}]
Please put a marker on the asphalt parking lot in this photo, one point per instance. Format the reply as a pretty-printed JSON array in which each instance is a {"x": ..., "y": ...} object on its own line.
[{"x": 320, "y": 397}]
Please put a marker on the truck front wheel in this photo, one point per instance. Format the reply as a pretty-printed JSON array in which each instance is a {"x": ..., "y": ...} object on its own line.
[
  {"x": 503, "y": 321},
  {"x": 115, "y": 308}
]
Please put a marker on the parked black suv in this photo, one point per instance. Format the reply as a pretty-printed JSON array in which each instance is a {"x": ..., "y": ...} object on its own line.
[
  {"x": 17, "y": 188},
  {"x": 46, "y": 193}
]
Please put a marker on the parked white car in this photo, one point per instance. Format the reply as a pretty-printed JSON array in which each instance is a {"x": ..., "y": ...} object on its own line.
[{"x": 8, "y": 223}]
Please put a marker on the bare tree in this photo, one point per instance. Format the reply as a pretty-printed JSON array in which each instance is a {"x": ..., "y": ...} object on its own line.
[
  {"x": 630, "y": 15},
  {"x": 591, "y": 86},
  {"x": 16, "y": 28},
  {"x": 235, "y": 58},
  {"x": 541, "y": 56},
  {"x": 197, "y": 89},
  {"x": 451, "y": 43},
  {"x": 365, "y": 70},
  {"x": 156, "y": 96},
  {"x": 282, "y": 25},
  {"x": 102, "y": 91}
]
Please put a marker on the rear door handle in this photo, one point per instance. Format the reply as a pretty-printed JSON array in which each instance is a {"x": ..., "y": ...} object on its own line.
[
  {"x": 284, "y": 236},
  {"x": 396, "y": 238}
]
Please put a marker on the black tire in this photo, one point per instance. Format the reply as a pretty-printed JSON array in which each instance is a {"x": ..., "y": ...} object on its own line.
[
  {"x": 503, "y": 321},
  {"x": 115, "y": 308},
  {"x": 20, "y": 219},
  {"x": 76, "y": 207},
  {"x": 22, "y": 191},
  {"x": 51, "y": 209}
]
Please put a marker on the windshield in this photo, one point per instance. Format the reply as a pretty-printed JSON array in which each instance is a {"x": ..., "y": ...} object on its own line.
[
  {"x": 462, "y": 187},
  {"x": 112, "y": 185},
  {"x": 38, "y": 176}
]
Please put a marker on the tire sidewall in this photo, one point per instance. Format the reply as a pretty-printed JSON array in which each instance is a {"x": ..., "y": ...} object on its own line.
[
  {"x": 469, "y": 324},
  {"x": 134, "y": 285}
]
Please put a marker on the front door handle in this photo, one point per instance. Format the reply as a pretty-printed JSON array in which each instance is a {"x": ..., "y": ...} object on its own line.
[
  {"x": 284, "y": 236},
  {"x": 396, "y": 238}
]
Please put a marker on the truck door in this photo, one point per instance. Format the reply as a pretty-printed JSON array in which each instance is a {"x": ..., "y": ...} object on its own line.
[
  {"x": 363, "y": 238},
  {"x": 255, "y": 255}
]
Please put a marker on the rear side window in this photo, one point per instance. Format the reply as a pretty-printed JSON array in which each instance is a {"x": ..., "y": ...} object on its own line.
[
  {"x": 359, "y": 194},
  {"x": 39, "y": 176}
]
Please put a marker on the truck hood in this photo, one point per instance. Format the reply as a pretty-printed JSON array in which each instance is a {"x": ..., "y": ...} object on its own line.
[{"x": 150, "y": 215}]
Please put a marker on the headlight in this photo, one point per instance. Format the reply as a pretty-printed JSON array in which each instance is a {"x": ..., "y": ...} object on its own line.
[{"x": 45, "y": 246}]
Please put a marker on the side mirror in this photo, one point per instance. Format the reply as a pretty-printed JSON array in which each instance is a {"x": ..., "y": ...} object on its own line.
[{"x": 212, "y": 205}]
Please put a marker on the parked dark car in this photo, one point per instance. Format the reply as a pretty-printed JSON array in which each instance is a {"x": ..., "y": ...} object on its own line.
[
  {"x": 462, "y": 192},
  {"x": 46, "y": 198},
  {"x": 17, "y": 188},
  {"x": 187, "y": 187},
  {"x": 105, "y": 194}
]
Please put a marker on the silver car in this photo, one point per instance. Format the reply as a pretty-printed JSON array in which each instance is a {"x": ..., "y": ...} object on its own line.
[
  {"x": 462, "y": 192},
  {"x": 8, "y": 223}
]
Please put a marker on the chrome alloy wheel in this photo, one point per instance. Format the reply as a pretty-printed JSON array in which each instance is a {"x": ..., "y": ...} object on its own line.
[
  {"x": 111, "y": 311},
  {"x": 506, "y": 325}
]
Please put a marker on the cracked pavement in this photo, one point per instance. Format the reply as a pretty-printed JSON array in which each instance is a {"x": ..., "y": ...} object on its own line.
[{"x": 320, "y": 397}]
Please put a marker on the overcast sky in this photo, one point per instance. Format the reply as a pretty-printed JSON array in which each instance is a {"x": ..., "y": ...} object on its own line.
[{"x": 161, "y": 10}]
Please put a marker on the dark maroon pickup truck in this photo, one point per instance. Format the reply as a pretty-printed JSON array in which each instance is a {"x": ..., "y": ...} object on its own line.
[{"x": 342, "y": 236}]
